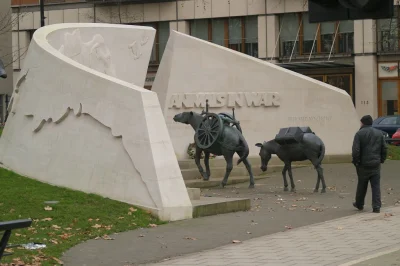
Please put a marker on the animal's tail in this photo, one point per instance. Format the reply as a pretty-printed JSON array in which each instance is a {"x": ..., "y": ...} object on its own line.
[
  {"x": 246, "y": 149},
  {"x": 322, "y": 154}
]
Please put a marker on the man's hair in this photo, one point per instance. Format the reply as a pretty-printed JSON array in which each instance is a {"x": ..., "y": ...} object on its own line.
[{"x": 366, "y": 120}]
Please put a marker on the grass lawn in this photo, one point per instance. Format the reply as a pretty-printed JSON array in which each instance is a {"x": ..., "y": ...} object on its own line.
[
  {"x": 393, "y": 152},
  {"x": 76, "y": 218}
]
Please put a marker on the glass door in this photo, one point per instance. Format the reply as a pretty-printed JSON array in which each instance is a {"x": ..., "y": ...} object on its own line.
[{"x": 389, "y": 93}]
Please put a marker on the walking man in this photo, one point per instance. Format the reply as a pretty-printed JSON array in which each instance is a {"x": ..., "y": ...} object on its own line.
[{"x": 369, "y": 151}]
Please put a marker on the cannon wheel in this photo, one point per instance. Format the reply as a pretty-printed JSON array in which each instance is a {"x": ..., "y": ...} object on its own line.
[
  {"x": 231, "y": 117},
  {"x": 209, "y": 131}
]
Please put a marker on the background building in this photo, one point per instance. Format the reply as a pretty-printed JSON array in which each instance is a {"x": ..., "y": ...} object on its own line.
[
  {"x": 6, "y": 85},
  {"x": 360, "y": 57}
]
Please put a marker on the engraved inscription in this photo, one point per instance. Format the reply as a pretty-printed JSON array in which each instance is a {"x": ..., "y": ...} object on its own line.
[{"x": 230, "y": 99}]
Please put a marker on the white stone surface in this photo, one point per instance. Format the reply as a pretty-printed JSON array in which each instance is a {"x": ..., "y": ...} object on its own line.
[
  {"x": 77, "y": 120},
  {"x": 267, "y": 97}
]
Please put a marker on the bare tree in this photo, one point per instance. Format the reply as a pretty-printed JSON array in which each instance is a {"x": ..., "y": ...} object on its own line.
[{"x": 8, "y": 21}]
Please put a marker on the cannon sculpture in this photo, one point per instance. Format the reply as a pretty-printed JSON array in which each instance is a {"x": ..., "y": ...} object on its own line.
[
  {"x": 219, "y": 134},
  {"x": 294, "y": 144}
]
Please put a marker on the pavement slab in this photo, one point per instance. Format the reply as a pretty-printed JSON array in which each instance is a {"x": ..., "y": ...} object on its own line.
[
  {"x": 272, "y": 211},
  {"x": 351, "y": 238}
]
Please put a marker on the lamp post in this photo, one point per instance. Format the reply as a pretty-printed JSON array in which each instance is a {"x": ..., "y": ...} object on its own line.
[{"x": 42, "y": 13}]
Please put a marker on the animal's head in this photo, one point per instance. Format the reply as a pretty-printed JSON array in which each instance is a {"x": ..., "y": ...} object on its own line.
[
  {"x": 3, "y": 73},
  {"x": 183, "y": 117},
  {"x": 265, "y": 155}
]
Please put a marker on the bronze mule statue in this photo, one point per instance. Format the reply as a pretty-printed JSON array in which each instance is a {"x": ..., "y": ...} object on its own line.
[
  {"x": 309, "y": 147},
  {"x": 229, "y": 141}
]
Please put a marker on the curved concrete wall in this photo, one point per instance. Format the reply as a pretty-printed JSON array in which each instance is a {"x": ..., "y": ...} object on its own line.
[
  {"x": 266, "y": 97},
  {"x": 80, "y": 119}
]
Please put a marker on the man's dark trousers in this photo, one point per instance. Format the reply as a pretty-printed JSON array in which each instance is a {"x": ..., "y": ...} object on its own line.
[{"x": 365, "y": 175}]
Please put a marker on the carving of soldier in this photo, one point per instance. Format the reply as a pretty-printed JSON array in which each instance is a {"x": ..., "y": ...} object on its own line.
[{"x": 369, "y": 151}]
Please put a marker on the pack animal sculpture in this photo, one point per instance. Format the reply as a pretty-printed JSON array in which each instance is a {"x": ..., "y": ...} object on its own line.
[
  {"x": 226, "y": 141},
  {"x": 306, "y": 146}
]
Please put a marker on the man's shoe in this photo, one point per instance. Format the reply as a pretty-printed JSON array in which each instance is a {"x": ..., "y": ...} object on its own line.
[
  {"x": 359, "y": 208},
  {"x": 376, "y": 210}
]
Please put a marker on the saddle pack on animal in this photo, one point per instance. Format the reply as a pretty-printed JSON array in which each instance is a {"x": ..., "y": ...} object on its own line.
[{"x": 291, "y": 135}]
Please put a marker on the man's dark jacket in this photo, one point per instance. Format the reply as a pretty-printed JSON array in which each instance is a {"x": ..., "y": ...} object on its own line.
[{"x": 369, "y": 147}]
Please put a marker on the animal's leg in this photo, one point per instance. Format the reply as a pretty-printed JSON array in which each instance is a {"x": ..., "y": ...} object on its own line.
[
  {"x": 206, "y": 162},
  {"x": 248, "y": 167},
  {"x": 317, "y": 185},
  {"x": 285, "y": 183},
  {"x": 320, "y": 171},
  {"x": 291, "y": 178},
  {"x": 197, "y": 161},
  {"x": 229, "y": 167}
]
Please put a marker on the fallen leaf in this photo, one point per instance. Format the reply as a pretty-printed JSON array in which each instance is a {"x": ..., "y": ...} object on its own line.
[
  {"x": 90, "y": 219},
  {"x": 58, "y": 261},
  {"x": 288, "y": 227},
  {"x": 388, "y": 214},
  {"x": 97, "y": 238},
  {"x": 120, "y": 218},
  {"x": 106, "y": 237},
  {"x": 190, "y": 238},
  {"x": 294, "y": 205},
  {"x": 53, "y": 241},
  {"x": 47, "y": 219},
  {"x": 132, "y": 209},
  {"x": 153, "y": 225},
  {"x": 68, "y": 228},
  {"x": 96, "y": 226},
  {"x": 48, "y": 208},
  {"x": 340, "y": 228},
  {"x": 65, "y": 236},
  {"x": 236, "y": 241},
  {"x": 141, "y": 235},
  {"x": 16, "y": 234},
  {"x": 249, "y": 233},
  {"x": 97, "y": 219},
  {"x": 55, "y": 226}
]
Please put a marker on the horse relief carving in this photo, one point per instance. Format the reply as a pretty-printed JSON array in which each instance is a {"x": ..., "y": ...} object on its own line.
[
  {"x": 134, "y": 47},
  {"x": 94, "y": 54}
]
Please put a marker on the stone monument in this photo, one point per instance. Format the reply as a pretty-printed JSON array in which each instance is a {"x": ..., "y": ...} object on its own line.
[
  {"x": 79, "y": 118},
  {"x": 266, "y": 96}
]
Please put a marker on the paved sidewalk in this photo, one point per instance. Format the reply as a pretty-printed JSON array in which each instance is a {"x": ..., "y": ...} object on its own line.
[
  {"x": 330, "y": 243},
  {"x": 272, "y": 210}
]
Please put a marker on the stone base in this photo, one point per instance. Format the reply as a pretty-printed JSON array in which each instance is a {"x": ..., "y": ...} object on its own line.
[
  {"x": 194, "y": 193},
  {"x": 215, "y": 182},
  {"x": 207, "y": 206}
]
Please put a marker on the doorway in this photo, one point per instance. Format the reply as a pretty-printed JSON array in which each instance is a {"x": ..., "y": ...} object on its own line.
[{"x": 388, "y": 97}]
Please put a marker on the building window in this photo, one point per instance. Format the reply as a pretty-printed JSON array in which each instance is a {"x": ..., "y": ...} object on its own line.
[
  {"x": 289, "y": 34},
  {"x": 299, "y": 37},
  {"x": 199, "y": 29},
  {"x": 160, "y": 40},
  {"x": 341, "y": 81},
  {"x": 238, "y": 33},
  {"x": 389, "y": 92},
  {"x": 388, "y": 33},
  {"x": 251, "y": 36}
]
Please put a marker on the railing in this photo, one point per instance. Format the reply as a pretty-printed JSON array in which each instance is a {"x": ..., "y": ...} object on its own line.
[
  {"x": 388, "y": 41},
  {"x": 343, "y": 44}
]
